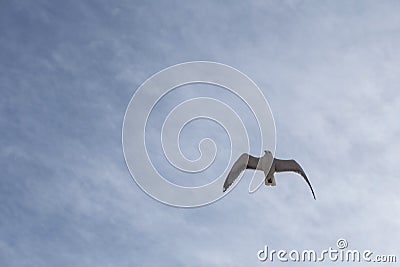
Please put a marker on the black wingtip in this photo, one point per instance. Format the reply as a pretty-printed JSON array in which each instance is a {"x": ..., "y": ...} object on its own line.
[
  {"x": 312, "y": 191},
  {"x": 309, "y": 184},
  {"x": 225, "y": 186}
]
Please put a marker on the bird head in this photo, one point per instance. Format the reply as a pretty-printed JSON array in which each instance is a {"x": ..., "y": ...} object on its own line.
[{"x": 267, "y": 152}]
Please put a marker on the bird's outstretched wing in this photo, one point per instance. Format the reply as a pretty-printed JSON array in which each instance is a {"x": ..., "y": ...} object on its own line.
[
  {"x": 292, "y": 166},
  {"x": 239, "y": 166}
]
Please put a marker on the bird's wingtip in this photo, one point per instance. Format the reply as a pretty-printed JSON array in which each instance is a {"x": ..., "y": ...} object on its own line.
[{"x": 313, "y": 194}]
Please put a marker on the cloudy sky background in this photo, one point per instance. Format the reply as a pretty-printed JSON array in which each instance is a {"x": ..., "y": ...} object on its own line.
[{"x": 329, "y": 69}]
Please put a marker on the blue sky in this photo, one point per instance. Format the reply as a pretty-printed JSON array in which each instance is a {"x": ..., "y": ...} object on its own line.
[{"x": 329, "y": 69}]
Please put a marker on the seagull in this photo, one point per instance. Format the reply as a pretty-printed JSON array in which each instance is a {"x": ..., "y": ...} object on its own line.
[{"x": 246, "y": 161}]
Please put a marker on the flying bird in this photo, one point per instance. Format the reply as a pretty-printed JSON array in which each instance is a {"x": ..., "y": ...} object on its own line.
[{"x": 246, "y": 161}]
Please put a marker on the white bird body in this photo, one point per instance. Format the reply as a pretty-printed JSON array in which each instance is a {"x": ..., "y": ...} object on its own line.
[{"x": 265, "y": 164}]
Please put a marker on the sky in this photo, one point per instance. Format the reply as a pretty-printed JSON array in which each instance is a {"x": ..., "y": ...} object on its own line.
[{"x": 329, "y": 69}]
